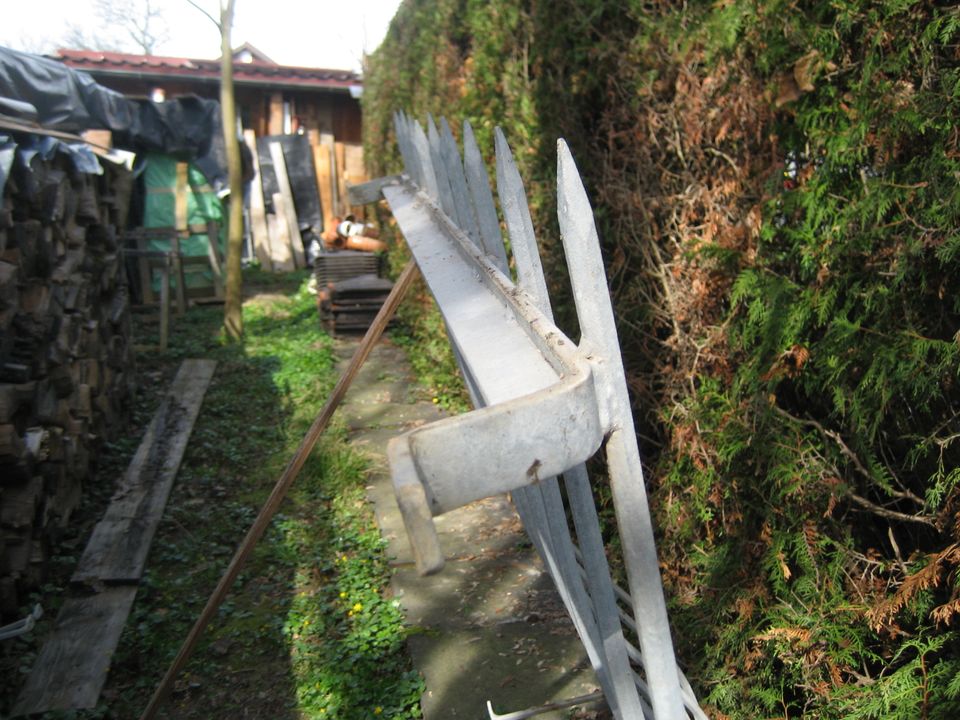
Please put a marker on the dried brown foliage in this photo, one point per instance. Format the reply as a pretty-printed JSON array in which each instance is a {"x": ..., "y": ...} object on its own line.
[{"x": 939, "y": 568}]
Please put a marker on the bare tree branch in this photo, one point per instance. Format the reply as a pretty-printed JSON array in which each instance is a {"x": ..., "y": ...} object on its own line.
[
  {"x": 211, "y": 17},
  {"x": 845, "y": 450},
  {"x": 889, "y": 514},
  {"x": 872, "y": 507},
  {"x": 141, "y": 20}
]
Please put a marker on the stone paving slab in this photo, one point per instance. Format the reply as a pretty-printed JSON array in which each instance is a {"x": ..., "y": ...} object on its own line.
[
  {"x": 480, "y": 530},
  {"x": 515, "y": 666},
  {"x": 490, "y": 625}
]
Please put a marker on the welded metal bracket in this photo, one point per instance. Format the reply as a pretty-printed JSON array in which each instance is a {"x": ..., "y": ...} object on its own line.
[{"x": 542, "y": 413}]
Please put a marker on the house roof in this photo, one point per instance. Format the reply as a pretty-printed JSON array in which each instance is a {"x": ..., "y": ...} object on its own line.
[
  {"x": 255, "y": 72},
  {"x": 256, "y": 53}
]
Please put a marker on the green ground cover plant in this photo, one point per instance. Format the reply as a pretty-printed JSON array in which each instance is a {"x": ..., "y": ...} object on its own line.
[
  {"x": 776, "y": 189},
  {"x": 309, "y": 631}
]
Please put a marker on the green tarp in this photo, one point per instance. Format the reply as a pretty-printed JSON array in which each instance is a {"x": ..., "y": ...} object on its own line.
[{"x": 203, "y": 206}]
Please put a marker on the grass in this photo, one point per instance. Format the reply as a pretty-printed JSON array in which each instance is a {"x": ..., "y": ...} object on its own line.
[{"x": 309, "y": 631}]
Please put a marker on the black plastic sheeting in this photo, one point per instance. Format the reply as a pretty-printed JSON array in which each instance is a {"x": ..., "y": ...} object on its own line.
[
  {"x": 71, "y": 100},
  {"x": 298, "y": 157},
  {"x": 17, "y": 154}
]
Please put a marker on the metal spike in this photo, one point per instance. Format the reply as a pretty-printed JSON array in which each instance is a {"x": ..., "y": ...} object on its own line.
[
  {"x": 429, "y": 177},
  {"x": 516, "y": 212},
  {"x": 478, "y": 183},
  {"x": 588, "y": 280},
  {"x": 465, "y": 214},
  {"x": 402, "y": 129},
  {"x": 444, "y": 196},
  {"x": 417, "y": 171}
]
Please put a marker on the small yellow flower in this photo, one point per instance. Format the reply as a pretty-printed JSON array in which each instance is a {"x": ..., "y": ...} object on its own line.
[
  {"x": 357, "y": 608},
  {"x": 343, "y": 594},
  {"x": 377, "y": 710}
]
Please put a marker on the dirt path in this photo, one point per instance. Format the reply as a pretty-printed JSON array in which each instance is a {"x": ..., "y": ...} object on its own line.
[{"x": 489, "y": 626}]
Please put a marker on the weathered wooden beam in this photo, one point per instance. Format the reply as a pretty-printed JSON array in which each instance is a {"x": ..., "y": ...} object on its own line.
[
  {"x": 258, "y": 213},
  {"x": 72, "y": 666},
  {"x": 290, "y": 208},
  {"x": 117, "y": 551},
  {"x": 282, "y": 256}
]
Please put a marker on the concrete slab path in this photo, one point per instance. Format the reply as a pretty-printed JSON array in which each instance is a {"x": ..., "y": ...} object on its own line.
[{"x": 490, "y": 626}]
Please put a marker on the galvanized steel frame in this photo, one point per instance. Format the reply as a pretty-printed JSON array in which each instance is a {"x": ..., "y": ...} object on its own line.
[{"x": 545, "y": 404}]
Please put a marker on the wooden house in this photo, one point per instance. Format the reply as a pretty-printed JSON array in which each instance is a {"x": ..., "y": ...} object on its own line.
[{"x": 272, "y": 99}]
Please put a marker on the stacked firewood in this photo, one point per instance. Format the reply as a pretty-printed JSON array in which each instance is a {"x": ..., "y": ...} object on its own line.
[{"x": 66, "y": 370}]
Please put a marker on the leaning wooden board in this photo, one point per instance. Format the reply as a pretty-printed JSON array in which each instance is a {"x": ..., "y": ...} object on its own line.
[
  {"x": 289, "y": 207},
  {"x": 72, "y": 666}
]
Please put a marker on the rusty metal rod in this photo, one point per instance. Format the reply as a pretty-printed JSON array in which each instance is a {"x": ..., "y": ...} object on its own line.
[{"x": 282, "y": 486}]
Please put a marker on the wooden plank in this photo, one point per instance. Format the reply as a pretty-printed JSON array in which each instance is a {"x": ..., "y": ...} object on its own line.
[
  {"x": 164, "y": 303},
  {"x": 280, "y": 234},
  {"x": 327, "y": 140},
  {"x": 339, "y": 154},
  {"x": 72, "y": 666},
  {"x": 258, "y": 213},
  {"x": 213, "y": 254},
  {"x": 180, "y": 197},
  {"x": 275, "y": 122},
  {"x": 356, "y": 172},
  {"x": 181, "y": 292},
  {"x": 117, "y": 551},
  {"x": 290, "y": 209},
  {"x": 146, "y": 276},
  {"x": 182, "y": 227},
  {"x": 321, "y": 164}
]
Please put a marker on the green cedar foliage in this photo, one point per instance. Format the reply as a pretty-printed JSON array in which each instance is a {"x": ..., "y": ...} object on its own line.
[{"x": 778, "y": 191}]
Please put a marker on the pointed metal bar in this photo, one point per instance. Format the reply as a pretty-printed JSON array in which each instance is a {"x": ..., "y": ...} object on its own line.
[
  {"x": 462, "y": 205},
  {"x": 516, "y": 212},
  {"x": 616, "y": 683},
  {"x": 538, "y": 521},
  {"x": 600, "y": 583},
  {"x": 424, "y": 161},
  {"x": 445, "y": 196},
  {"x": 599, "y": 632},
  {"x": 411, "y": 165},
  {"x": 478, "y": 183},
  {"x": 599, "y": 334}
]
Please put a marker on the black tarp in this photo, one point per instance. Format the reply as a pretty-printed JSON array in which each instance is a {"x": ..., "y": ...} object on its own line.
[{"x": 71, "y": 100}]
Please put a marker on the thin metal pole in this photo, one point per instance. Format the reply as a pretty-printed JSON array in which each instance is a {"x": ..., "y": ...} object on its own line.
[
  {"x": 283, "y": 485},
  {"x": 532, "y": 712}
]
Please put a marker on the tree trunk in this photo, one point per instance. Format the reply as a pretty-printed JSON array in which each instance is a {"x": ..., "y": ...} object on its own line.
[{"x": 233, "y": 301}]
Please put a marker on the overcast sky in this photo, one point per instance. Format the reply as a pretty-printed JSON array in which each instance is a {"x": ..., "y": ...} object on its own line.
[{"x": 311, "y": 33}]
